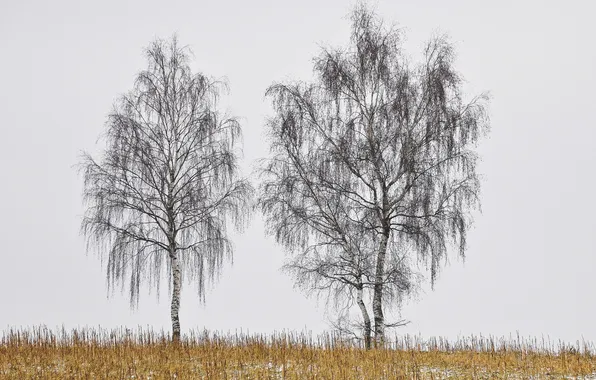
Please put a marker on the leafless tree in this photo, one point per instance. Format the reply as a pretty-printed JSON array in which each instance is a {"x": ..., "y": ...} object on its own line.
[
  {"x": 353, "y": 330},
  {"x": 345, "y": 273},
  {"x": 375, "y": 146},
  {"x": 167, "y": 184}
]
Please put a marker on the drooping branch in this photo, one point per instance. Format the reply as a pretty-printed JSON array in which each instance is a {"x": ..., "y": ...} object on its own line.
[
  {"x": 373, "y": 158},
  {"x": 167, "y": 184}
]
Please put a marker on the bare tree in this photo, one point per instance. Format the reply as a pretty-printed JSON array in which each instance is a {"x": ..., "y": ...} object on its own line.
[
  {"x": 354, "y": 330},
  {"x": 379, "y": 144},
  {"x": 346, "y": 274},
  {"x": 167, "y": 183}
]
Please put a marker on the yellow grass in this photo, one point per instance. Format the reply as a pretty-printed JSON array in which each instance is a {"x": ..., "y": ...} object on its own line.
[{"x": 99, "y": 354}]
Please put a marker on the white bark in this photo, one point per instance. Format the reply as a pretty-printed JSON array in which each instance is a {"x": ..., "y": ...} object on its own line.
[{"x": 176, "y": 285}]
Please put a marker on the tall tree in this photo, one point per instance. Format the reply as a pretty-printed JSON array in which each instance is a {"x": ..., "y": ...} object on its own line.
[
  {"x": 380, "y": 144},
  {"x": 167, "y": 183}
]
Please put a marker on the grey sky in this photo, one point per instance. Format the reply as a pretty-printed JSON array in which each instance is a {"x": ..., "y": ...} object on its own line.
[{"x": 531, "y": 254}]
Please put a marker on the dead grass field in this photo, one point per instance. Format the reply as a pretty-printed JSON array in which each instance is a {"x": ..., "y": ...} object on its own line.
[{"x": 40, "y": 353}]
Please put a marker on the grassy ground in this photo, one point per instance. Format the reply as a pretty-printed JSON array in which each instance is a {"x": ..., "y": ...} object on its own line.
[{"x": 98, "y": 354}]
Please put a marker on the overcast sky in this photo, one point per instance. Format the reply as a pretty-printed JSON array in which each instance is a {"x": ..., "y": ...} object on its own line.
[{"x": 532, "y": 252}]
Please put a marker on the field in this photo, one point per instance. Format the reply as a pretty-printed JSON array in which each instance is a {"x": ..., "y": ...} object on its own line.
[{"x": 40, "y": 353}]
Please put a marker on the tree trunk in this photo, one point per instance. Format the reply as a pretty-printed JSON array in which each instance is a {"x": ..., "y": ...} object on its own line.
[
  {"x": 378, "y": 291},
  {"x": 366, "y": 318},
  {"x": 176, "y": 279}
]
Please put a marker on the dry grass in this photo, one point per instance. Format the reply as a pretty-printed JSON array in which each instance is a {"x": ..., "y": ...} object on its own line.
[{"x": 99, "y": 354}]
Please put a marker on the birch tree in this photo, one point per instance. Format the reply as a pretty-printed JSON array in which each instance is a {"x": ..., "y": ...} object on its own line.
[
  {"x": 309, "y": 216},
  {"x": 345, "y": 275},
  {"x": 377, "y": 143},
  {"x": 166, "y": 187}
]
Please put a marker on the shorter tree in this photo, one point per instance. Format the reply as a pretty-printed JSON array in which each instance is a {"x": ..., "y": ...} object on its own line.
[
  {"x": 167, "y": 183},
  {"x": 308, "y": 204},
  {"x": 346, "y": 276}
]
